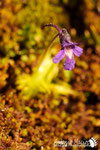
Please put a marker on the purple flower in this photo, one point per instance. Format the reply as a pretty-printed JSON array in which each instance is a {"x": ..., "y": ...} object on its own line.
[{"x": 68, "y": 49}]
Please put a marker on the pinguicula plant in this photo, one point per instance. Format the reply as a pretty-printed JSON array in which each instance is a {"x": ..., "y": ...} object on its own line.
[{"x": 68, "y": 48}]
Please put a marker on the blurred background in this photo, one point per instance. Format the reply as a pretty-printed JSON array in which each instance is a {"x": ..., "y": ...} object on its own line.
[{"x": 40, "y": 102}]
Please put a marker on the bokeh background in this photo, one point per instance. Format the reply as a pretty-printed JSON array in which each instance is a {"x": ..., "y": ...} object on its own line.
[{"x": 40, "y": 102}]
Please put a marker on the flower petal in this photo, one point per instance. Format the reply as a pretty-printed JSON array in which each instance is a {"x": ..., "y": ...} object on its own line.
[
  {"x": 77, "y": 51},
  {"x": 59, "y": 56},
  {"x": 69, "y": 52},
  {"x": 69, "y": 63}
]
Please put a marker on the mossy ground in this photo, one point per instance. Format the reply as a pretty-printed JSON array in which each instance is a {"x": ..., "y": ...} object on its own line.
[{"x": 39, "y": 101}]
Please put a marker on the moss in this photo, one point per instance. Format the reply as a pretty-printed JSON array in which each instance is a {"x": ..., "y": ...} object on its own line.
[{"x": 40, "y": 102}]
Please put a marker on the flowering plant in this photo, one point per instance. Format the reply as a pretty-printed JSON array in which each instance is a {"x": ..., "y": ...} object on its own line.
[{"x": 68, "y": 48}]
